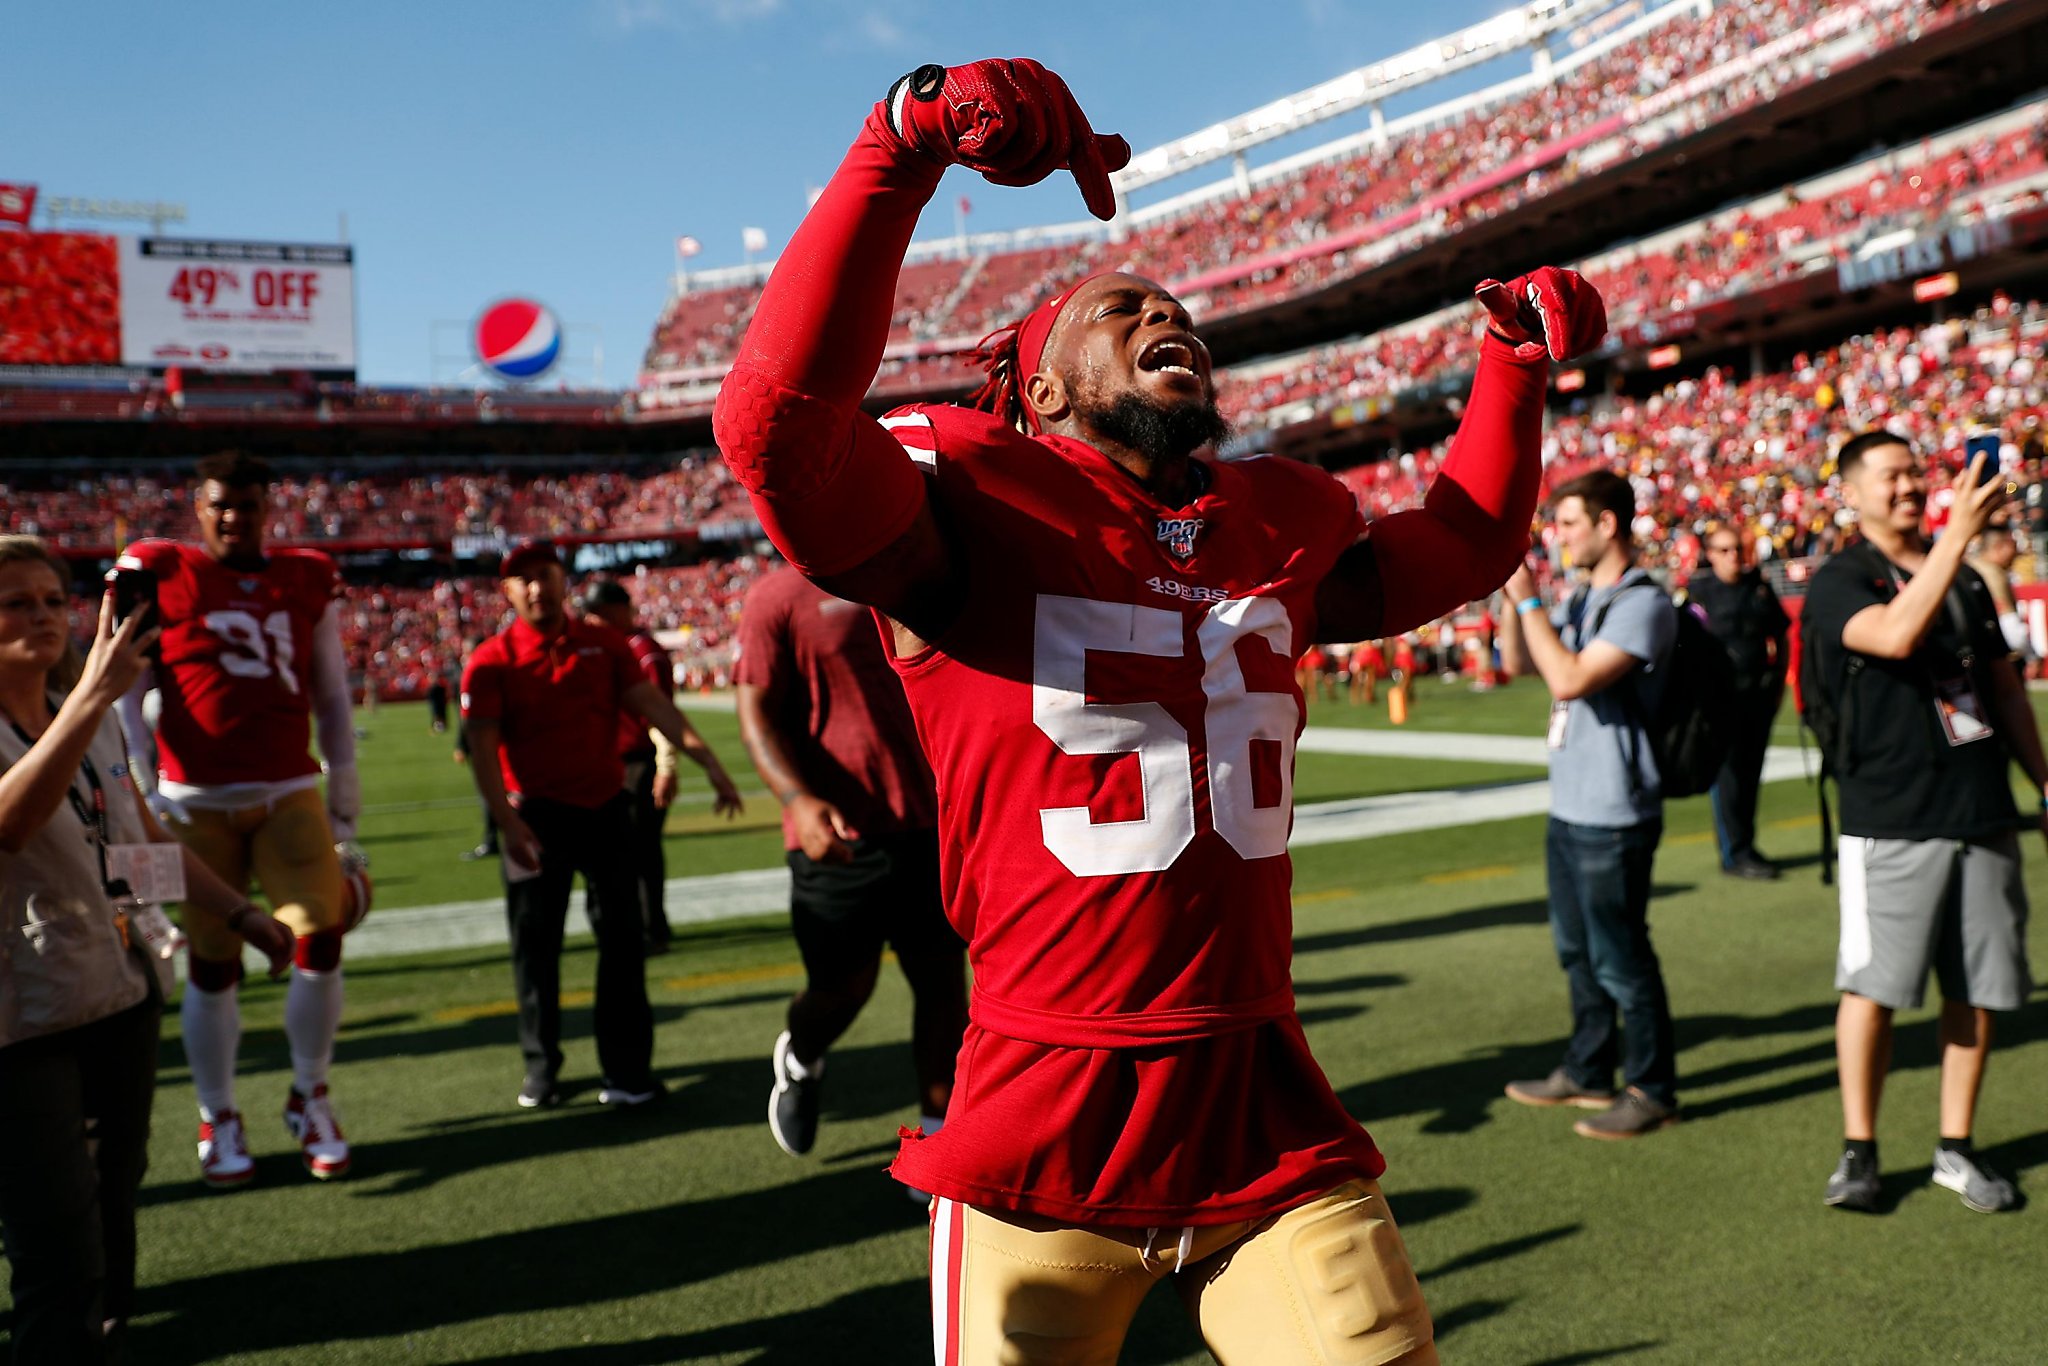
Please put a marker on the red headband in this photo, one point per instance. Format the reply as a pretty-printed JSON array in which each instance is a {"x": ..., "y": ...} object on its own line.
[{"x": 1029, "y": 337}]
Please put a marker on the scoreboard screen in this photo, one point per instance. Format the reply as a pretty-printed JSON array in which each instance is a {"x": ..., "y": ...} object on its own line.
[{"x": 70, "y": 299}]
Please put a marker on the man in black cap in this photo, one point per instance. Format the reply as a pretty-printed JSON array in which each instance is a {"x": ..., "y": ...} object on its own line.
[
  {"x": 543, "y": 700},
  {"x": 649, "y": 758}
]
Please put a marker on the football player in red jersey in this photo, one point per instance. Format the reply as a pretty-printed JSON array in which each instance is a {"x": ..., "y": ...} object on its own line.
[
  {"x": 251, "y": 663},
  {"x": 1096, "y": 624}
]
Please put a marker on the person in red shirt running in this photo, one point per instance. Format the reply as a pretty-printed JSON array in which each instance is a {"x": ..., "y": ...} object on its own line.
[
  {"x": 543, "y": 701},
  {"x": 832, "y": 736},
  {"x": 249, "y": 668},
  {"x": 649, "y": 758},
  {"x": 1096, "y": 623}
]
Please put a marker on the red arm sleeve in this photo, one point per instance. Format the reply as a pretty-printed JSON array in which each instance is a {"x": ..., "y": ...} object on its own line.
[
  {"x": 1473, "y": 525},
  {"x": 830, "y": 486}
]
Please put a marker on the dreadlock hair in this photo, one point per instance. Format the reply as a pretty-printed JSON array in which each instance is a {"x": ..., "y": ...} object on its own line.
[{"x": 1002, "y": 392}]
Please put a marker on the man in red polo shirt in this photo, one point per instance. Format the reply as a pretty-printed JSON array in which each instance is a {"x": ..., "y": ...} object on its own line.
[{"x": 543, "y": 700}]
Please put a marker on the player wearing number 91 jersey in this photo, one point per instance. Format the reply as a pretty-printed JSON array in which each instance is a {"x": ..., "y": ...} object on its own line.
[
  {"x": 1096, "y": 622},
  {"x": 237, "y": 655},
  {"x": 251, "y": 662}
]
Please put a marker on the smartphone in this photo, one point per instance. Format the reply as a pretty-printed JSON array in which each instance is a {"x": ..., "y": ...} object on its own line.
[
  {"x": 1985, "y": 444},
  {"x": 134, "y": 591}
]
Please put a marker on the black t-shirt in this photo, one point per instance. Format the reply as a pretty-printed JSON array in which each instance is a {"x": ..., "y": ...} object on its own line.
[
  {"x": 1745, "y": 616},
  {"x": 1901, "y": 775}
]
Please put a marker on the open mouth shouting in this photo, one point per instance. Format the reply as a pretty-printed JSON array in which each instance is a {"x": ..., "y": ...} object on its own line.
[{"x": 1174, "y": 353}]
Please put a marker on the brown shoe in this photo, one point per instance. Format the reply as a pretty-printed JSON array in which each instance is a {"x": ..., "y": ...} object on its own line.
[
  {"x": 1632, "y": 1116},
  {"x": 1559, "y": 1089}
]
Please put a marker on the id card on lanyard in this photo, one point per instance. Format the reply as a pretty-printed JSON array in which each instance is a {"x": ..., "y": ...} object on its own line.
[{"x": 1957, "y": 704}]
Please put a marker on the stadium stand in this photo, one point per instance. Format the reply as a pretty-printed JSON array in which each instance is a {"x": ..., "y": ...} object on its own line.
[
  {"x": 1747, "y": 443},
  {"x": 89, "y": 513},
  {"x": 1757, "y": 452},
  {"x": 1294, "y": 226},
  {"x": 1995, "y": 168}
]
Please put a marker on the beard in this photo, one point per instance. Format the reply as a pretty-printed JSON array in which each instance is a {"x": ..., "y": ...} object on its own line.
[{"x": 1157, "y": 431}]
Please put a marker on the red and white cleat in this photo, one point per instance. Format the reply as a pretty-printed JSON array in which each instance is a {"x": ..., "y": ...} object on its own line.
[
  {"x": 224, "y": 1161},
  {"x": 312, "y": 1122}
]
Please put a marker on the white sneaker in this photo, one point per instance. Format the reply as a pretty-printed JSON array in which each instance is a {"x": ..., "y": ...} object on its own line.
[
  {"x": 311, "y": 1121},
  {"x": 224, "y": 1160}
]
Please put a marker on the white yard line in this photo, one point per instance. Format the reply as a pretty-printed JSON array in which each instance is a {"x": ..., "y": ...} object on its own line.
[{"x": 765, "y": 891}]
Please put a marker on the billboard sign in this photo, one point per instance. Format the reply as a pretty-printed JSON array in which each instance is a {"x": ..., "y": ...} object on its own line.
[
  {"x": 237, "y": 305},
  {"x": 76, "y": 299}
]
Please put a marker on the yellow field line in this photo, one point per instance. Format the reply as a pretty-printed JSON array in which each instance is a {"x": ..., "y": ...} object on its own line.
[
  {"x": 1472, "y": 874},
  {"x": 734, "y": 976}
]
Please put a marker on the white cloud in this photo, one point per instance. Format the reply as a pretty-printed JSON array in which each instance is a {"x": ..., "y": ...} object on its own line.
[
  {"x": 633, "y": 16},
  {"x": 880, "y": 30}
]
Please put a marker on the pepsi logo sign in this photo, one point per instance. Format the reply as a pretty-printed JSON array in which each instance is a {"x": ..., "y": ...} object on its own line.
[{"x": 517, "y": 339}]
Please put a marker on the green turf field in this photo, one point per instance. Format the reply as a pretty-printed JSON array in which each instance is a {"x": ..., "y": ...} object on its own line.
[
  {"x": 472, "y": 1231},
  {"x": 422, "y": 810}
]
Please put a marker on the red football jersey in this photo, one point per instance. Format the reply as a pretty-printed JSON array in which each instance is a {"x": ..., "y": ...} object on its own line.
[
  {"x": 236, "y": 673},
  {"x": 1112, "y": 722},
  {"x": 838, "y": 709}
]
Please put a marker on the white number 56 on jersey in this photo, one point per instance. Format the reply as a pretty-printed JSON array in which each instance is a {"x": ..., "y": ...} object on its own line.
[{"x": 1066, "y": 630}]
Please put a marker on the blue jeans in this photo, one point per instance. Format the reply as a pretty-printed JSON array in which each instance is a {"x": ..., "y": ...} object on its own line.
[{"x": 1599, "y": 919}]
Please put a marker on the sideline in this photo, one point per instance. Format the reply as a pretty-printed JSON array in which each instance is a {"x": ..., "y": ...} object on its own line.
[{"x": 765, "y": 891}]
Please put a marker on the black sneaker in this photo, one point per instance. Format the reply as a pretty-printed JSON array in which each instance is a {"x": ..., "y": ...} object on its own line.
[
  {"x": 1631, "y": 1116},
  {"x": 1982, "y": 1189},
  {"x": 1752, "y": 870},
  {"x": 1559, "y": 1089},
  {"x": 538, "y": 1093},
  {"x": 793, "y": 1104},
  {"x": 648, "y": 1092},
  {"x": 1853, "y": 1186}
]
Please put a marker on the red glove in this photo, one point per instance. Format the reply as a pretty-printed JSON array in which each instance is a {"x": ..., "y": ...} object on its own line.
[
  {"x": 1013, "y": 121},
  {"x": 1553, "y": 308}
]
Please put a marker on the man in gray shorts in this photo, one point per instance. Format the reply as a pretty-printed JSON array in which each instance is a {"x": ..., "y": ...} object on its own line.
[{"x": 1928, "y": 718}]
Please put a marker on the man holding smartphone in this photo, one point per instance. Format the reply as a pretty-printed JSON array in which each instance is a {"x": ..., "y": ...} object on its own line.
[
  {"x": 250, "y": 666},
  {"x": 1911, "y": 668}
]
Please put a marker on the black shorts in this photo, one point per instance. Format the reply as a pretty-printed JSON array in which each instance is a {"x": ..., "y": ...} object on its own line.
[{"x": 844, "y": 912}]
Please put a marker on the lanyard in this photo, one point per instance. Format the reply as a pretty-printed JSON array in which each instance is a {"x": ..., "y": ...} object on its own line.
[{"x": 94, "y": 820}]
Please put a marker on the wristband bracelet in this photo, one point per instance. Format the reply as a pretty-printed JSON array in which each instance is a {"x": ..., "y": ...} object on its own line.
[
  {"x": 240, "y": 915},
  {"x": 1531, "y": 603}
]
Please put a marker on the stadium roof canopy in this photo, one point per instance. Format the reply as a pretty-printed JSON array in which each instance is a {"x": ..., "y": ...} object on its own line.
[{"x": 1358, "y": 89}]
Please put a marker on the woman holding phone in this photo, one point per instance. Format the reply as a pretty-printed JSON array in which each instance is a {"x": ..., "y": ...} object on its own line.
[{"x": 79, "y": 1004}]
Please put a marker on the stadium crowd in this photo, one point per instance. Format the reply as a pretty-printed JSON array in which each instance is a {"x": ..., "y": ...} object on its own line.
[
  {"x": 77, "y": 510},
  {"x": 400, "y": 639},
  {"x": 1757, "y": 452},
  {"x": 1723, "y": 257},
  {"x": 1707, "y": 448},
  {"x": 1297, "y": 230}
]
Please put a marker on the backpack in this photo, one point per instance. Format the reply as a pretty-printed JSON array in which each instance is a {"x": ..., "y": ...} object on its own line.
[
  {"x": 1695, "y": 719},
  {"x": 1829, "y": 718}
]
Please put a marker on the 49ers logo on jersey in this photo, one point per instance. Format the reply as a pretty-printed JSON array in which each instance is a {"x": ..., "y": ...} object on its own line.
[{"x": 1178, "y": 534}]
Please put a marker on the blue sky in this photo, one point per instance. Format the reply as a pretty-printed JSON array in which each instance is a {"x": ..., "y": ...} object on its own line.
[{"x": 557, "y": 149}]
